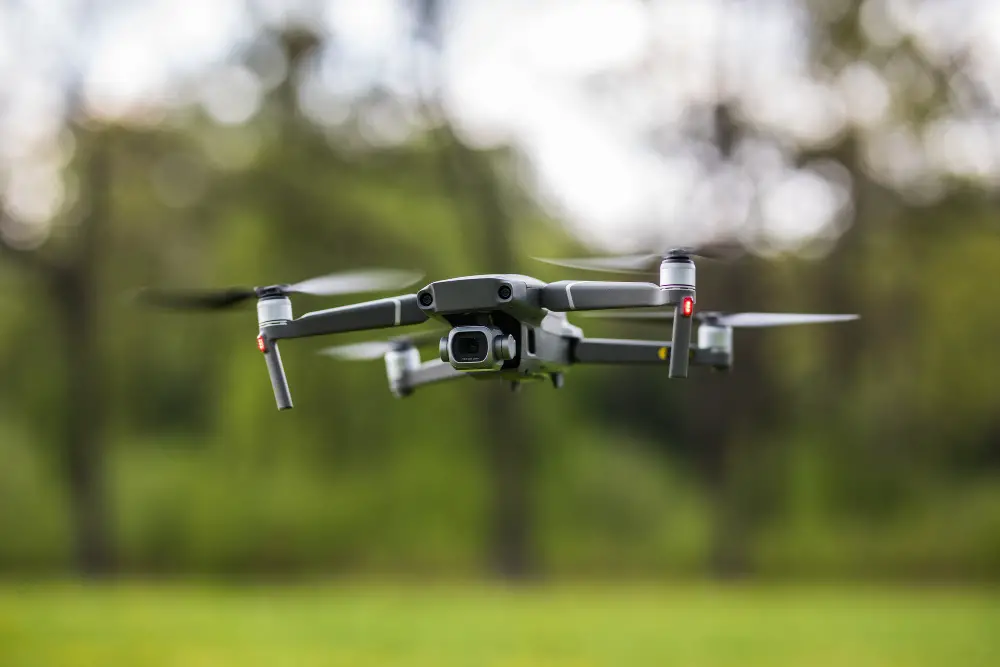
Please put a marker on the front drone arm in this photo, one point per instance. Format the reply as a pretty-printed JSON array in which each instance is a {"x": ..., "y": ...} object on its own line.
[
  {"x": 650, "y": 352},
  {"x": 275, "y": 321},
  {"x": 379, "y": 314}
]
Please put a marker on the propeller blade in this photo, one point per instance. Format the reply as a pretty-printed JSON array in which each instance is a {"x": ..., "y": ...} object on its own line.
[
  {"x": 722, "y": 251},
  {"x": 740, "y": 320},
  {"x": 354, "y": 282},
  {"x": 376, "y": 349},
  {"x": 196, "y": 299},
  {"x": 747, "y": 320},
  {"x": 613, "y": 264},
  {"x": 351, "y": 282},
  {"x": 648, "y": 262},
  {"x": 372, "y": 349}
]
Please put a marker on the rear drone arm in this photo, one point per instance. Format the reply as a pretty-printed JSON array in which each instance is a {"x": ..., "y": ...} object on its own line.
[
  {"x": 429, "y": 372},
  {"x": 570, "y": 295},
  {"x": 275, "y": 321},
  {"x": 619, "y": 351}
]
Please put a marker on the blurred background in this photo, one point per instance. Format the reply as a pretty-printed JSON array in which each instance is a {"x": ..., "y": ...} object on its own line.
[{"x": 853, "y": 147}]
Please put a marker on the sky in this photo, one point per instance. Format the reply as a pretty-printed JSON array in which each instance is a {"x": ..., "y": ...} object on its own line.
[{"x": 604, "y": 100}]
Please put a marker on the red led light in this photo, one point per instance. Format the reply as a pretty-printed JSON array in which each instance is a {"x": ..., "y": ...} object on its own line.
[
  {"x": 687, "y": 306},
  {"x": 261, "y": 345}
]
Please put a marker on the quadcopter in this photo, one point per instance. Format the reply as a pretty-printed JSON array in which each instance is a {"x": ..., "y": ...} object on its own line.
[{"x": 509, "y": 327}]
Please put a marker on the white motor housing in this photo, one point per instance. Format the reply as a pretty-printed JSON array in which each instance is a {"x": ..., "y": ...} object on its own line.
[
  {"x": 677, "y": 273},
  {"x": 716, "y": 338},
  {"x": 398, "y": 364},
  {"x": 274, "y": 311}
]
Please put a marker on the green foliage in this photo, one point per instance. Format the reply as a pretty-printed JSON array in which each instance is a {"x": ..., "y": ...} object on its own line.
[
  {"x": 867, "y": 450},
  {"x": 32, "y": 510}
]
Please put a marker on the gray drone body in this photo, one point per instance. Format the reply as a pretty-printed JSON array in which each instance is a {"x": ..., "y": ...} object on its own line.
[
  {"x": 509, "y": 327},
  {"x": 512, "y": 327}
]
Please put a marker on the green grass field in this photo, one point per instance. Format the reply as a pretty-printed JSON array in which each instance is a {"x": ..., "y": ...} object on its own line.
[{"x": 138, "y": 625}]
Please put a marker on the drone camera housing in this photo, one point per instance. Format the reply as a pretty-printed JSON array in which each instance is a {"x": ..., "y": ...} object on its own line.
[{"x": 477, "y": 348}]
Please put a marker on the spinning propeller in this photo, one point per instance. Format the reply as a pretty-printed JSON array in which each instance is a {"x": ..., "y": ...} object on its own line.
[
  {"x": 742, "y": 320},
  {"x": 376, "y": 349},
  {"x": 649, "y": 262},
  {"x": 334, "y": 284}
]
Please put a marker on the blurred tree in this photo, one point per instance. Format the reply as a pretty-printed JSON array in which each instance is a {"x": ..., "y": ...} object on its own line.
[
  {"x": 71, "y": 275},
  {"x": 866, "y": 448},
  {"x": 507, "y": 430},
  {"x": 472, "y": 183}
]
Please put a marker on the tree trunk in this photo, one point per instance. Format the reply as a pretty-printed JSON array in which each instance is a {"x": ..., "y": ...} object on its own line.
[
  {"x": 508, "y": 451},
  {"x": 76, "y": 298},
  {"x": 509, "y": 458},
  {"x": 473, "y": 185},
  {"x": 732, "y": 409},
  {"x": 82, "y": 445},
  {"x": 727, "y": 558}
]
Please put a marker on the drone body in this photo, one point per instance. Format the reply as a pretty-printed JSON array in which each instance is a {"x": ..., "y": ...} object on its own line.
[
  {"x": 511, "y": 327},
  {"x": 502, "y": 326}
]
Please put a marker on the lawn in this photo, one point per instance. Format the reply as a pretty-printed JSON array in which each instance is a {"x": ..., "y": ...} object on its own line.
[{"x": 140, "y": 624}]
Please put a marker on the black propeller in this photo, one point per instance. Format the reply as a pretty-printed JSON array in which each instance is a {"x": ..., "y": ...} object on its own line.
[
  {"x": 376, "y": 349},
  {"x": 352, "y": 282},
  {"x": 648, "y": 262},
  {"x": 741, "y": 320}
]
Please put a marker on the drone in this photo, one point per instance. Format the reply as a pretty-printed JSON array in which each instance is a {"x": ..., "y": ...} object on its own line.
[{"x": 508, "y": 327}]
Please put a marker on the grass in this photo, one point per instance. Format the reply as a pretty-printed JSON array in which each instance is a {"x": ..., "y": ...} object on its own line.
[{"x": 360, "y": 625}]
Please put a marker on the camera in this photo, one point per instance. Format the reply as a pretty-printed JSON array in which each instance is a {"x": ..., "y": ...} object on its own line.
[{"x": 477, "y": 348}]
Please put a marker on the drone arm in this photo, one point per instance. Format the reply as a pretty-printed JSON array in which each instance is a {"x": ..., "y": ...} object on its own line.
[
  {"x": 621, "y": 351},
  {"x": 380, "y": 314},
  {"x": 568, "y": 295},
  {"x": 614, "y": 351},
  {"x": 572, "y": 295}
]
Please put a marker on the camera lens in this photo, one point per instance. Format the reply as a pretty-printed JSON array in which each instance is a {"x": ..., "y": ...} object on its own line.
[
  {"x": 426, "y": 299},
  {"x": 504, "y": 292},
  {"x": 469, "y": 347}
]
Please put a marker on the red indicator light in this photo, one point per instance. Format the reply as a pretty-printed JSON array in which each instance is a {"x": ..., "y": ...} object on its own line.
[
  {"x": 261, "y": 345},
  {"x": 687, "y": 306}
]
